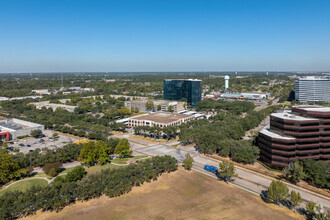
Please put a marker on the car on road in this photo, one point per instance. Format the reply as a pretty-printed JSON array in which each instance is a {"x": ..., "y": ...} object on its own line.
[
  {"x": 211, "y": 168},
  {"x": 28, "y": 145}
]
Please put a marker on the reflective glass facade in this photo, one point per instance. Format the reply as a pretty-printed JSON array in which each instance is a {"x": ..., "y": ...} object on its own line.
[{"x": 178, "y": 89}]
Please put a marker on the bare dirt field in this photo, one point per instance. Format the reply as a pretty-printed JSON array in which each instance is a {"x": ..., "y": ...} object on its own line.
[{"x": 178, "y": 195}]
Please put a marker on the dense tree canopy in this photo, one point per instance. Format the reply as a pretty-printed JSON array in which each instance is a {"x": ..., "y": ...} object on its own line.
[{"x": 110, "y": 182}]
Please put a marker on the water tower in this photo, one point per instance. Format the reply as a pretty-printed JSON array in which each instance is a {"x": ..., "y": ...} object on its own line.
[{"x": 226, "y": 82}]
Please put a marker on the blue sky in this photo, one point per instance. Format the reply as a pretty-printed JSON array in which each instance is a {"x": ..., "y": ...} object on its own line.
[{"x": 164, "y": 35}]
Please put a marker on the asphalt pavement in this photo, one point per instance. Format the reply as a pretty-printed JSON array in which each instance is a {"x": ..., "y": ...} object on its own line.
[{"x": 248, "y": 180}]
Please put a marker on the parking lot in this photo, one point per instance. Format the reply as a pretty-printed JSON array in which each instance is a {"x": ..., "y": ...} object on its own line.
[{"x": 30, "y": 143}]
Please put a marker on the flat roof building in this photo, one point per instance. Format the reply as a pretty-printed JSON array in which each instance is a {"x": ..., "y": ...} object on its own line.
[
  {"x": 159, "y": 105},
  {"x": 301, "y": 133},
  {"x": 178, "y": 89},
  {"x": 312, "y": 89},
  {"x": 13, "y": 128},
  {"x": 160, "y": 119},
  {"x": 54, "y": 106}
]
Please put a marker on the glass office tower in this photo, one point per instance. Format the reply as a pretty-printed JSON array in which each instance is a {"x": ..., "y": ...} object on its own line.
[{"x": 179, "y": 89}]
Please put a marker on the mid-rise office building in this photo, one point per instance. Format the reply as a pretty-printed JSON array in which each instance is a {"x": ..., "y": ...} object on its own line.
[
  {"x": 179, "y": 89},
  {"x": 299, "y": 134},
  {"x": 312, "y": 89}
]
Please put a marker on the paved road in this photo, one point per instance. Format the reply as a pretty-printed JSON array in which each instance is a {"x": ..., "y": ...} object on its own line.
[{"x": 246, "y": 179}]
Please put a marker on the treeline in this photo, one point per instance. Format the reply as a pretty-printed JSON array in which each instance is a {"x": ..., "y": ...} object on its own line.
[
  {"x": 236, "y": 107},
  {"x": 13, "y": 167},
  {"x": 221, "y": 134},
  {"x": 156, "y": 132},
  {"x": 316, "y": 172},
  {"x": 110, "y": 182}
]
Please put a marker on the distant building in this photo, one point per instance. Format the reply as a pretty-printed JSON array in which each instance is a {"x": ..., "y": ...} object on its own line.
[
  {"x": 163, "y": 104},
  {"x": 2, "y": 99},
  {"x": 13, "y": 128},
  {"x": 75, "y": 88},
  {"x": 42, "y": 91},
  {"x": 300, "y": 134},
  {"x": 178, "y": 89},
  {"x": 312, "y": 89},
  {"x": 160, "y": 119},
  {"x": 242, "y": 96},
  {"x": 54, "y": 106},
  {"x": 19, "y": 98}
]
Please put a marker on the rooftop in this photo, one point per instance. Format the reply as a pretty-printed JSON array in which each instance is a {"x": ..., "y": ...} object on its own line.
[
  {"x": 162, "y": 117},
  {"x": 289, "y": 116},
  {"x": 269, "y": 133},
  {"x": 320, "y": 109},
  {"x": 184, "y": 79},
  {"x": 313, "y": 78}
]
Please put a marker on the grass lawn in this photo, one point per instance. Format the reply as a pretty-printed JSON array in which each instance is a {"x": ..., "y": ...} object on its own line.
[
  {"x": 177, "y": 195},
  {"x": 98, "y": 168},
  {"x": 123, "y": 160},
  {"x": 24, "y": 185}
]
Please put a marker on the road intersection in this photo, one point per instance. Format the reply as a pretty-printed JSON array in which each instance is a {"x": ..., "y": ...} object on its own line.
[{"x": 248, "y": 180}]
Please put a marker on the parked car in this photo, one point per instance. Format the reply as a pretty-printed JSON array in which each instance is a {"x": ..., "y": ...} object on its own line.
[
  {"x": 30, "y": 150},
  {"x": 21, "y": 145},
  {"x": 28, "y": 145}
]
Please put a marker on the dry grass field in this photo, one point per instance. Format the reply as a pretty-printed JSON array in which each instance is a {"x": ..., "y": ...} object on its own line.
[{"x": 179, "y": 195}]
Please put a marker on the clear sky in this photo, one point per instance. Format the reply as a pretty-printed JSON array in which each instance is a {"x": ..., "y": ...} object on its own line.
[{"x": 164, "y": 35}]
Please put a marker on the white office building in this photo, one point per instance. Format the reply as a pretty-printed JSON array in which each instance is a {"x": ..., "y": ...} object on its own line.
[{"x": 312, "y": 89}]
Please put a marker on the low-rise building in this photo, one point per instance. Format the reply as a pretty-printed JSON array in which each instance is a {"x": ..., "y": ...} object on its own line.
[
  {"x": 13, "y": 128},
  {"x": 41, "y": 91},
  {"x": 47, "y": 104},
  {"x": 160, "y": 119},
  {"x": 159, "y": 105}
]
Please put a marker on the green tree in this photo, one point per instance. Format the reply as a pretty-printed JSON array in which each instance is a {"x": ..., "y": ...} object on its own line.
[
  {"x": 76, "y": 174},
  {"x": 9, "y": 168},
  {"x": 123, "y": 112},
  {"x": 150, "y": 105},
  {"x": 312, "y": 208},
  {"x": 295, "y": 199},
  {"x": 95, "y": 152},
  {"x": 187, "y": 162},
  {"x": 170, "y": 108},
  {"x": 123, "y": 148},
  {"x": 277, "y": 191},
  {"x": 227, "y": 170},
  {"x": 52, "y": 169},
  {"x": 294, "y": 172},
  {"x": 36, "y": 133}
]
